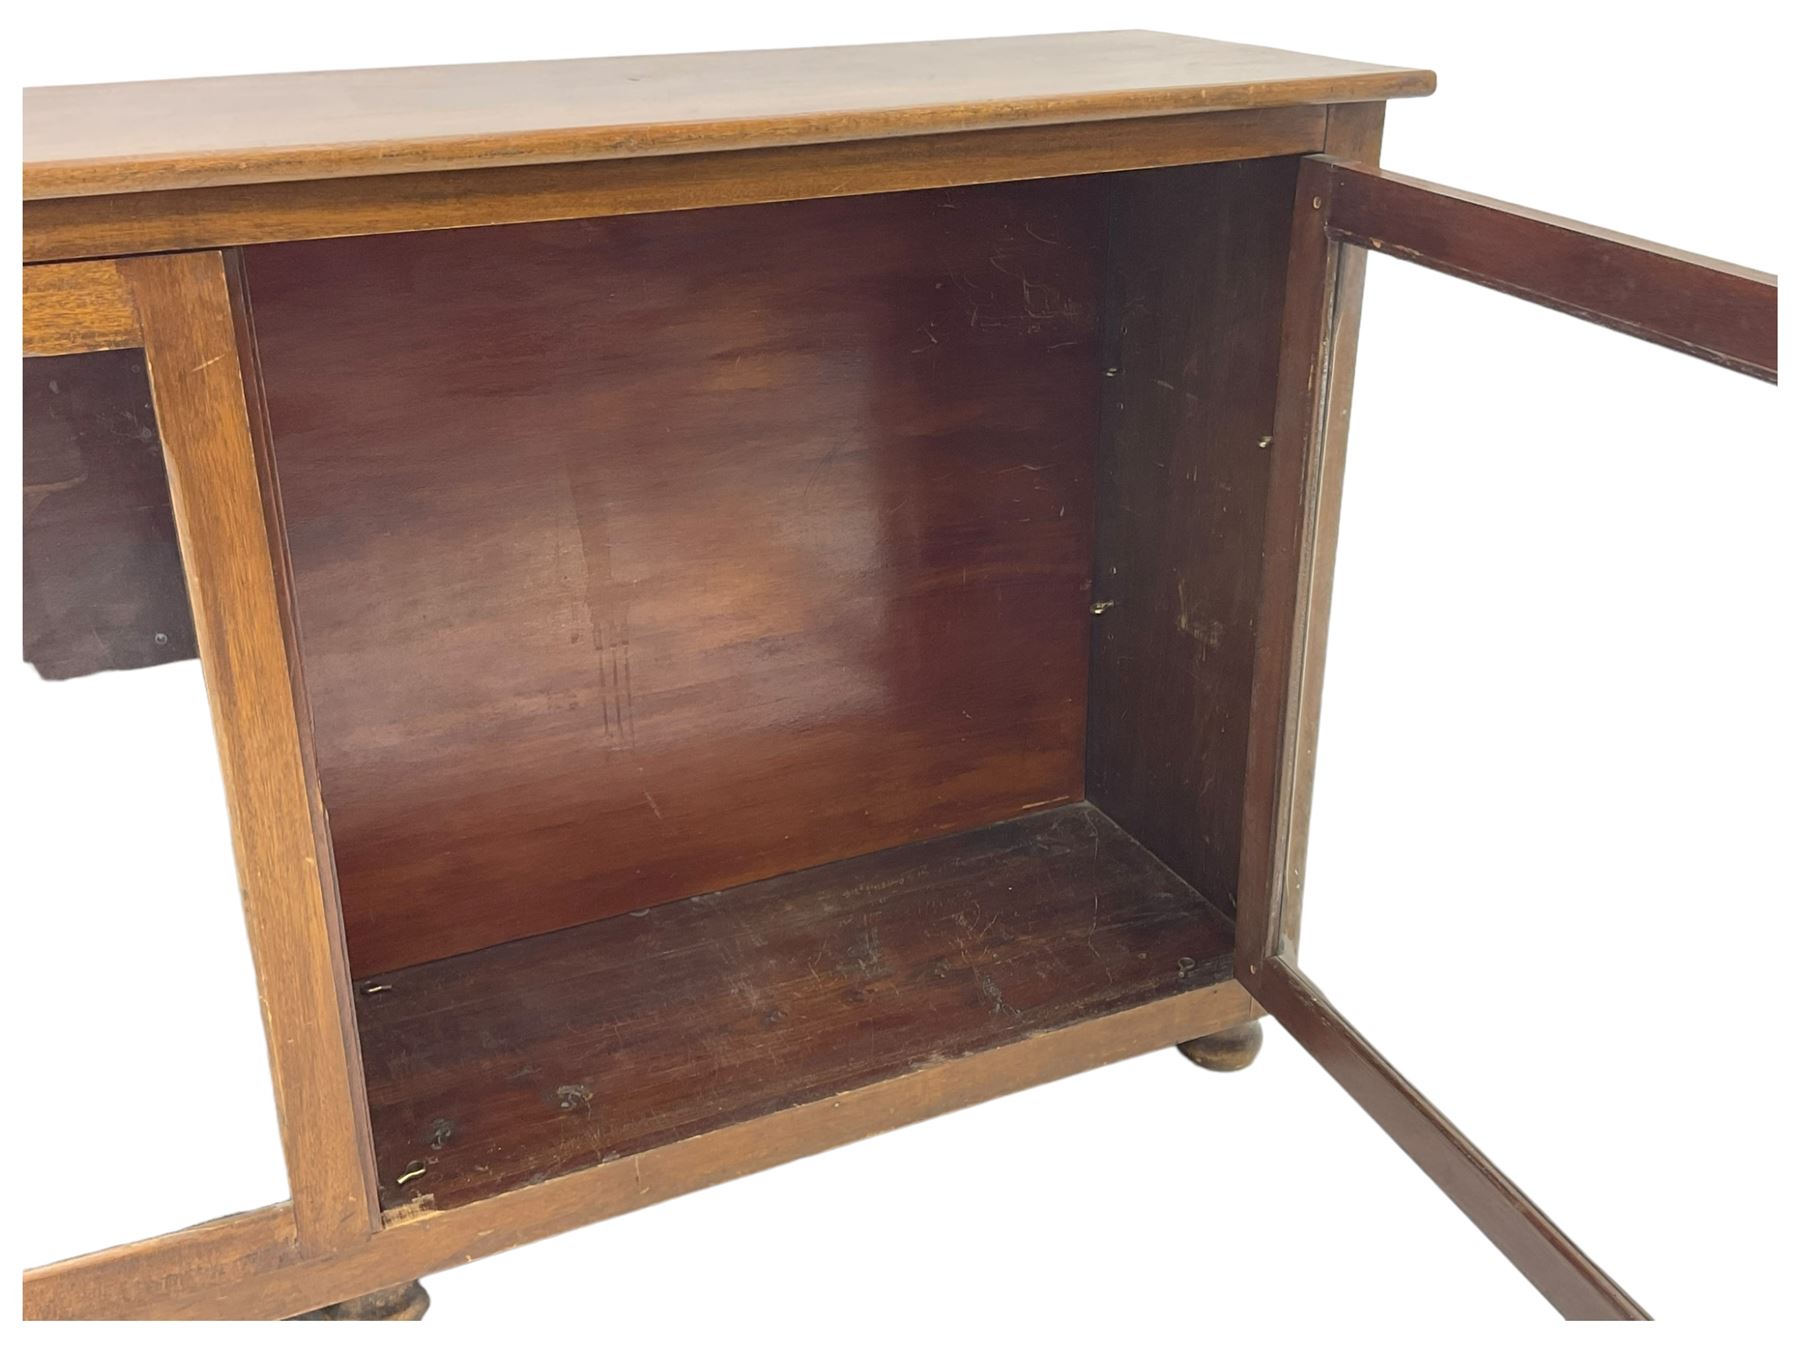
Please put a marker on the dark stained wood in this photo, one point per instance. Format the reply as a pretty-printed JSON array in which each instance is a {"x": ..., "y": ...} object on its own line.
[
  {"x": 1543, "y": 1253},
  {"x": 642, "y": 557},
  {"x": 103, "y": 586},
  {"x": 1318, "y": 352},
  {"x": 77, "y": 307},
  {"x": 504, "y": 1067},
  {"x": 1195, "y": 275},
  {"x": 1717, "y": 311},
  {"x": 85, "y": 139},
  {"x": 1353, "y": 131},
  {"x": 257, "y": 213},
  {"x": 1297, "y": 453}
]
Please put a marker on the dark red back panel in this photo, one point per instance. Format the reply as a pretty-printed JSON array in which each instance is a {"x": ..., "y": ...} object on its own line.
[{"x": 640, "y": 557}]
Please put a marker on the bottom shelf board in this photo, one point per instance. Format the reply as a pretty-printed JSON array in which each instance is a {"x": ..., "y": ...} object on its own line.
[{"x": 509, "y": 1066}]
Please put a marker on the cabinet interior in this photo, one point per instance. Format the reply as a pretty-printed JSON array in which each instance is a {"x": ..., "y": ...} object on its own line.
[{"x": 753, "y": 652}]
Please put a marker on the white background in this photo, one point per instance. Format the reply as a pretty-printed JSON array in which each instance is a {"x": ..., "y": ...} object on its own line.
[{"x": 1553, "y": 855}]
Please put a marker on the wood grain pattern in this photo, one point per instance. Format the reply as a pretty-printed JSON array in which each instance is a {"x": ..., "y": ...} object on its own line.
[
  {"x": 136, "y": 1279},
  {"x": 1353, "y": 132},
  {"x": 1713, "y": 310},
  {"x": 148, "y": 222},
  {"x": 169, "y": 1278},
  {"x": 1289, "y": 507},
  {"x": 643, "y": 557},
  {"x": 1196, "y": 271},
  {"x": 507, "y": 1066},
  {"x": 79, "y": 307},
  {"x": 1542, "y": 1252},
  {"x": 84, "y": 139},
  {"x": 103, "y": 585},
  {"x": 191, "y": 343}
]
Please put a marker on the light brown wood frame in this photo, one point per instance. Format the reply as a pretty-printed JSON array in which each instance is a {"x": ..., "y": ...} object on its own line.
[
  {"x": 79, "y": 307},
  {"x": 63, "y": 228},
  {"x": 179, "y": 308},
  {"x": 1712, "y": 310}
]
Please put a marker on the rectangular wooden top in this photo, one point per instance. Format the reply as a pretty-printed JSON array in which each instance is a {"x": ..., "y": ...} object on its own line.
[{"x": 82, "y": 140}]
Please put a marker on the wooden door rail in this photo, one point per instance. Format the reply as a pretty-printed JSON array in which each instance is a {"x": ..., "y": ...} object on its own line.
[
  {"x": 1525, "y": 1235},
  {"x": 1714, "y": 310}
]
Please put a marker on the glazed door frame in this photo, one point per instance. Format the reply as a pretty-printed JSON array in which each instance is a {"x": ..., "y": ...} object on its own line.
[{"x": 1342, "y": 210}]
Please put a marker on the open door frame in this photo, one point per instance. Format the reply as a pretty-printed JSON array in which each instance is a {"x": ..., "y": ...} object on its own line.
[{"x": 1708, "y": 309}]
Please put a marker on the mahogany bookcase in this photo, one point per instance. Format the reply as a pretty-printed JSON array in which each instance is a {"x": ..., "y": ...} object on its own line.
[{"x": 747, "y": 600}]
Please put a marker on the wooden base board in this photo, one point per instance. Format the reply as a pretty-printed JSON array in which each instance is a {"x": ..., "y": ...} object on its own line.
[
  {"x": 508, "y": 1066},
  {"x": 244, "y": 1267}
]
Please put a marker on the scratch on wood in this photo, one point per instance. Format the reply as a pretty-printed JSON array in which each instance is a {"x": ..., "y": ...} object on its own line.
[
  {"x": 991, "y": 990},
  {"x": 1209, "y": 633}
]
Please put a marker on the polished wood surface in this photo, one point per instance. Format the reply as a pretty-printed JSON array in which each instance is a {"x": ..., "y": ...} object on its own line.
[
  {"x": 1542, "y": 1252},
  {"x": 78, "y": 307},
  {"x": 102, "y": 580},
  {"x": 336, "y": 1102},
  {"x": 228, "y": 1269},
  {"x": 506, "y": 1066},
  {"x": 1275, "y": 746},
  {"x": 192, "y": 343},
  {"x": 1717, "y": 311},
  {"x": 1353, "y": 131},
  {"x": 643, "y": 557},
  {"x": 147, "y": 222},
  {"x": 1188, "y": 405},
  {"x": 86, "y": 139}
]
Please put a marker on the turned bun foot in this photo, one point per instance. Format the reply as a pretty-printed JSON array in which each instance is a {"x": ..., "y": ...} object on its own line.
[
  {"x": 1225, "y": 1051},
  {"x": 402, "y": 1303}
]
